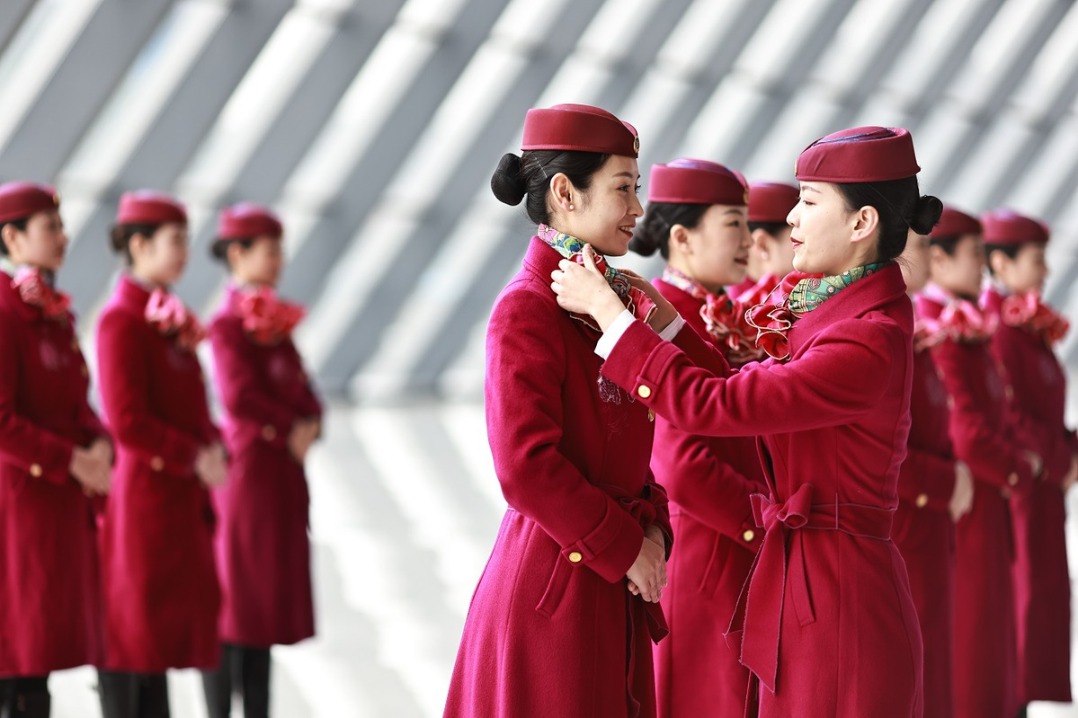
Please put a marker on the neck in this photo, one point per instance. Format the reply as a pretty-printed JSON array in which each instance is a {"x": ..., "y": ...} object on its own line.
[
  {"x": 146, "y": 279},
  {"x": 680, "y": 264}
]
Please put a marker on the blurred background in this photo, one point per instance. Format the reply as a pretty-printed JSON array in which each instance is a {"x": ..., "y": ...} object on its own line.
[{"x": 373, "y": 127}]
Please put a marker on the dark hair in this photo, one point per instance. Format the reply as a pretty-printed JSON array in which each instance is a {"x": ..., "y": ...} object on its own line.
[
  {"x": 901, "y": 207},
  {"x": 219, "y": 248},
  {"x": 120, "y": 237},
  {"x": 529, "y": 175},
  {"x": 654, "y": 232},
  {"x": 19, "y": 224},
  {"x": 1011, "y": 250},
  {"x": 948, "y": 243},
  {"x": 772, "y": 228}
]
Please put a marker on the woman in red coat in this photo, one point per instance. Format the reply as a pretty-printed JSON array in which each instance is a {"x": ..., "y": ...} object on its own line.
[
  {"x": 1022, "y": 342},
  {"x": 696, "y": 220},
  {"x": 826, "y": 622},
  {"x": 273, "y": 416},
  {"x": 54, "y": 456},
  {"x": 935, "y": 490},
  {"x": 160, "y": 585},
  {"x": 984, "y": 658},
  {"x": 562, "y": 621}
]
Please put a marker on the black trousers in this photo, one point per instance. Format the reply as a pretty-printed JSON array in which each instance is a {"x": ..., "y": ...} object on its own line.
[
  {"x": 245, "y": 671},
  {"x": 25, "y": 697},
  {"x": 133, "y": 695}
]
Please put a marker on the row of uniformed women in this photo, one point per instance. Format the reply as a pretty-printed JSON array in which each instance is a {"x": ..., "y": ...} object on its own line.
[
  {"x": 827, "y": 621},
  {"x": 110, "y": 534}
]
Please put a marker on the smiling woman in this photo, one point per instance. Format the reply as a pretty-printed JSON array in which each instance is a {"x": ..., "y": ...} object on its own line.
[
  {"x": 565, "y": 613},
  {"x": 826, "y": 623}
]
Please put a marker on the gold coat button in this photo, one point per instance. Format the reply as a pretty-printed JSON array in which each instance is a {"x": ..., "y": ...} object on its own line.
[
  {"x": 269, "y": 433},
  {"x": 575, "y": 557},
  {"x": 644, "y": 391},
  {"x": 749, "y": 535},
  {"x": 35, "y": 470},
  {"x": 157, "y": 463},
  {"x": 922, "y": 501},
  {"x": 1013, "y": 479}
]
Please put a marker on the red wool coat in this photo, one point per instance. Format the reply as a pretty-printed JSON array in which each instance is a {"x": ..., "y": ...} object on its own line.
[
  {"x": 160, "y": 586},
  {"x": 984, "y": 658},
  {"x": 49, "y": 587},
  {"x": 829, "y": 622},
  {"x": 709, "y": 480},
  {"x": 552, "y": 629},
  {"x": 1041, "y": 579},
  {"x": 263, "y": 556},
  {"x": 925, "y": 532}
]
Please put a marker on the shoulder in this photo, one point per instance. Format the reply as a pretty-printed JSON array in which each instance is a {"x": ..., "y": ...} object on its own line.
[
  {"x": 526, "y": 299},
  {"x": 116, "y": 319}
]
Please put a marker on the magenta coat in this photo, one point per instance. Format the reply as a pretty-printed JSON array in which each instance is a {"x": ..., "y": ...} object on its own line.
[
  {"x": 161, "y": 593},
  {"x": 1041, "y": 579},
  {"x": 552, "y": 629},
  {"x": 263, "y": 556},
  {"x": 984, "y": 658},
  {"x": 827, "y": 623},
  {"x": 925, "y": 532},
  {"x": 49, "y": 586},
  {"x": 709, "y": 480}
]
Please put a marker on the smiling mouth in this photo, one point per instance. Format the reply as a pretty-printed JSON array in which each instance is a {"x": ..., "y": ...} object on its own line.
[
  {"x": 741, "y": 260},
  {"x": 627, "y": 228}
]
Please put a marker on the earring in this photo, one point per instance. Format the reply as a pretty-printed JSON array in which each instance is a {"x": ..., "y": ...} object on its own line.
[{"x": 572, "y": 207}]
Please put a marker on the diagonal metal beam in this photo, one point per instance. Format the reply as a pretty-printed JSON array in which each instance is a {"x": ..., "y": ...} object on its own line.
[
  {"x": 67, "y": 106},
  {"x": 12, "y": 14}
]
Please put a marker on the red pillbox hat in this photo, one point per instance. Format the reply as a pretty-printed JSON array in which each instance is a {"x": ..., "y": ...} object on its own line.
[
  {"x": 579, "y": 128},
  {"x": 19, "y": 200},
  {"x": 689, "y": 181},
  {"x": 1004, "y": 226},
  {"x": 771, "y": 201},
  {"x": 860, "y": 154},
  {"x": 148, "y": 207},
  {"x": 248, "y": 220},
  {"x": 955, "y": 223}
]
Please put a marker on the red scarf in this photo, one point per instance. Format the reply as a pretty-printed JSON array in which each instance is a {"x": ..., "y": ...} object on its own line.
[
  {"x": 723, "y": 316},
  {"x": 168, "y": 314},
  {"x": 961, "y": 320},
  {"x": 1027, "y": 311},
  {"x": 37, "y": 291},
  {"x": 267, "y": 318},
  {"x": 772, "y": 318}
]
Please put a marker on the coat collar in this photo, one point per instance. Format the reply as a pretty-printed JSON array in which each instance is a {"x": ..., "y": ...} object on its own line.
[
  {"x": 130, "y": 293},
  {"x": 877, "y": 290},
  {"x": 9, "y": 297},
  {"x": 541, "y": 259}
]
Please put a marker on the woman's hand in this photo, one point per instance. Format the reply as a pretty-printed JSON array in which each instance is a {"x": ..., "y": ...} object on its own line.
[
  {"x": 962, "y": 498},
  {"x": 647, "y": 575},
  {"x": 584, "y": 290},
  {"x": 211, "y": 466},
  {"x": 92, "y": 467},
  {"x": 303, "y": 434},
  {"x": 1072, "y": 475},
  {"x": 664, "y": 311}
]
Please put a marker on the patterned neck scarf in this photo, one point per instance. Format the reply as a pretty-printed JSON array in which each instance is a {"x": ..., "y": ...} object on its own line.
[
  {"x": 35, "y": 288},
  {"x": 690, "y": 286},
  {"x": 723, "y": 316},
  {"x": 812, "y": 292},
  {"x": 572, "y": 249}
]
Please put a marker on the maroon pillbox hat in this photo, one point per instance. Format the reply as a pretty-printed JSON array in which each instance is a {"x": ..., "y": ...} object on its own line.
[
  {"x": 1004, "y": 226},
  {"x": 579, "y": 128},
  {"x": 19, "y": 200},
  {"x": 248, "y": 220},
  {"x": 689, "y": 181},
  {"x": 860, "y": 154},
  {"x": 955, "y": 223},
  {"x": 148, "y": 207},
  {"x": 771, "y": 201}
]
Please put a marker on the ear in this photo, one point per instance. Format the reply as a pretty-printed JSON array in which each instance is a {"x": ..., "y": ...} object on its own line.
[
  {"x": 865, "y": 222},
  {"x": 999, "y": 262},
  {"x": 936, "y": 256},
  {"x": 8, "y": 237},
  {"x": 680, "y": 238},
  {"x": 562, "y": 193},
  {"x": 760, "y": 244},
  {"x": 233, "y": 252}
]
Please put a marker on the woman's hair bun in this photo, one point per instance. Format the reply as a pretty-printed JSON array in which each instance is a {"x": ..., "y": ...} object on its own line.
[
  {"x": 506, "y": 182},
  {"x": 926, "y": 212}
]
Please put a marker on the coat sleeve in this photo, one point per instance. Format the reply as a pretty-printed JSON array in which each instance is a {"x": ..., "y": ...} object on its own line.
[
  {"x": 703, "y": 485},
  {"x": 929, "y": 475},
  {"x": 243, "y": 392},
  {"x": 992, "y": 457},
  {"x": 839, "y": 378},
  {"x": 125, "y": 386},
  {"x": 23, "y": 443},
  {"x": 525, "y": 378}
]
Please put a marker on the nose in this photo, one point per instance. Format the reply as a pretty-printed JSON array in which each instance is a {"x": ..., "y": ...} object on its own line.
[
  {"x": 794, "y": 216},
  {"x": 636, "y": 209}
]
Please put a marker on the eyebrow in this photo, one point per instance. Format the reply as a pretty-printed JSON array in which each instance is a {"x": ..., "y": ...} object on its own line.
[
  {"x": 735, "y": 210},
  {"x": 630, "y": 175},
  {"x": 805, "y": 187}
]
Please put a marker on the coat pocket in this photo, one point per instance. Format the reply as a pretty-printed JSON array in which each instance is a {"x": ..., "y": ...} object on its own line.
[{"x": 555, "y": 588}]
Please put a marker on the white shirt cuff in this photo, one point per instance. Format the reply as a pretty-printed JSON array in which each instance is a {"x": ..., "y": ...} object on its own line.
[
  {"x": 621, "y": 324},
  {"x": 613, "y": 333}
]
